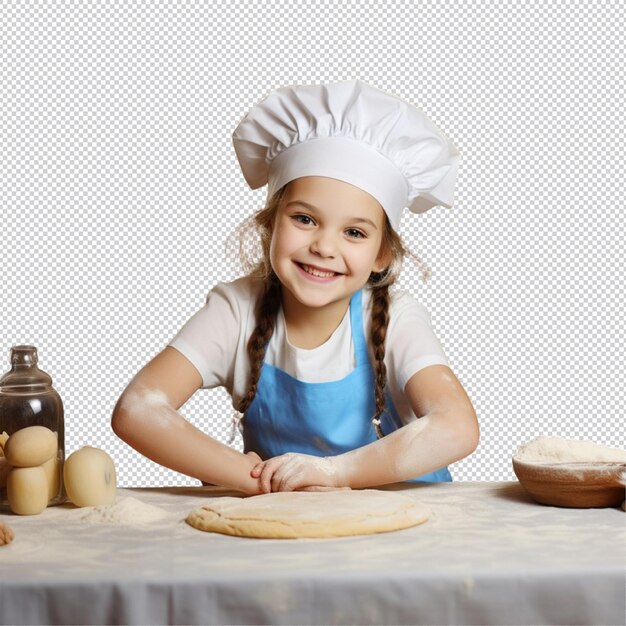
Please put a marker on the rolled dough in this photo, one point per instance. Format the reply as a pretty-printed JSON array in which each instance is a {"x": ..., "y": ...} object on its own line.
[{"x": 299, "y": 514}]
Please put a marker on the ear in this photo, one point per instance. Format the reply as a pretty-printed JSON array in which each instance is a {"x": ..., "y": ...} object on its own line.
[{"x": 383, "y": 260}]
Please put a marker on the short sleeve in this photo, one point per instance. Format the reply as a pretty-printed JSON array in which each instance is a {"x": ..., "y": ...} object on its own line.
[
  {"x": 411, "y": 341},
  {"x": 209, "y": 339}
]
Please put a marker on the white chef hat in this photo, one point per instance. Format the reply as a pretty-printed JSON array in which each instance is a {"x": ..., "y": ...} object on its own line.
[{"x": 353, "y": 132}]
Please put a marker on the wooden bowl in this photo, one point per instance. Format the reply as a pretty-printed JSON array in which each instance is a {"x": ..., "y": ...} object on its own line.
[{"x": 576, "y": 485}]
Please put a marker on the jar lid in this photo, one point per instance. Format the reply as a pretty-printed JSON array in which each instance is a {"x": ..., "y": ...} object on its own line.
[{"x": 24, "y": 370}]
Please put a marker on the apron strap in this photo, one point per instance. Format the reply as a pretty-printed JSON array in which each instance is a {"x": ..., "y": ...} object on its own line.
[{"x": 358, "y": 332}]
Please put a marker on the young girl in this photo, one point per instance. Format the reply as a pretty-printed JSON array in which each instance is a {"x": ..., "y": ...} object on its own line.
[{"x": 341, "y": 383}]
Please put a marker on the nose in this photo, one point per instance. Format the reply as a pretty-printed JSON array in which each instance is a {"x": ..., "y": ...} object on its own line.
[{"x": 323, "y": 244}]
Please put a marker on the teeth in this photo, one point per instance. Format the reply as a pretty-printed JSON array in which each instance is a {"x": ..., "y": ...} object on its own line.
[{"x": 314, "y": 272}]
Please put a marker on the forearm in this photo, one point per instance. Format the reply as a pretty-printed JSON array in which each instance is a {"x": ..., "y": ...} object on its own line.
[
  {"x": 156, "y": 430},
  {"x": 432, "y": 442},
  {"x": 421, "y": 447}
]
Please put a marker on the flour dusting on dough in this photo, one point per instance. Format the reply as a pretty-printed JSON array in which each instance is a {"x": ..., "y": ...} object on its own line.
[{"x": 296, "y": 515}]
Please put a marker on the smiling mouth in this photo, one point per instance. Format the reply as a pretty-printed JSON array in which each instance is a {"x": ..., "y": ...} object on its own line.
[{"x": 315, "y": 272}]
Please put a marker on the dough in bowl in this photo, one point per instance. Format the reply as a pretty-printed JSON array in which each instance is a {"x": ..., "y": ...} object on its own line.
[{"x": 301, "y": 514}]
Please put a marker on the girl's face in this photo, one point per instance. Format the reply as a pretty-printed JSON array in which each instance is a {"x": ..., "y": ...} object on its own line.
[{"x": 326, "y": 241}]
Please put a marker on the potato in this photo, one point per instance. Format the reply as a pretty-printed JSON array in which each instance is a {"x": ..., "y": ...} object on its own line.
[
  {"x": 89, "y": 477},
  {"x": 27, "y": 490},
  {"x": 30, "y": 446}
]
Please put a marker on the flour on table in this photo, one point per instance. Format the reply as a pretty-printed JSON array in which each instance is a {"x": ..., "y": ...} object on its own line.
[
  {"x": 125, "y": 512},
  {"x": 561, "y": 450}
]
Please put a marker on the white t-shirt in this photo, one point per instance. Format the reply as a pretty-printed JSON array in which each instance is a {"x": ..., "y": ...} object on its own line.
[{"x": 215, "y": 341}]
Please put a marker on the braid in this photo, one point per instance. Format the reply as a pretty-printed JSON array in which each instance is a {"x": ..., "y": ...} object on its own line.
[
  {"x": 267, "y": 310},
  {"x": 378, "y": 333}
]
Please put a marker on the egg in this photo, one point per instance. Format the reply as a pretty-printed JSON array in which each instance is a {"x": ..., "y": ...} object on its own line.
[
  {"x": 89, "y": 477},
  {"x": 51, "y": 467},
  {"x": 27, "y": 490},
  {"x": 30, "y": 446}
]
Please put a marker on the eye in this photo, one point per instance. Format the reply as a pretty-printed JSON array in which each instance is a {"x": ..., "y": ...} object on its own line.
[
  {"x": 355, "y": 233},
  {"x": 303, "y": 219}
]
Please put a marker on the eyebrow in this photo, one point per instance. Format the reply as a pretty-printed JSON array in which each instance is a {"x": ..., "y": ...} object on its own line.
[{"x": 312, "y": 207}]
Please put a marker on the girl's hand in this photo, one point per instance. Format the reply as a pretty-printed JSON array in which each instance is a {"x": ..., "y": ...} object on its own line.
[{"x": 292, "y": 471}]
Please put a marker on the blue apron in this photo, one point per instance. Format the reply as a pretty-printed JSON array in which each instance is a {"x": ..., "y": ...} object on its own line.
[{"x": 321, "y": 419}]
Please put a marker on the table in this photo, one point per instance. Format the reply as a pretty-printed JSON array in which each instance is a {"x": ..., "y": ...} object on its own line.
[{"x": 488, "y": 555}]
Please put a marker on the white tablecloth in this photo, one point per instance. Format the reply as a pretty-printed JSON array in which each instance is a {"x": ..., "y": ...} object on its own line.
[{"x": 488, "y": 555}]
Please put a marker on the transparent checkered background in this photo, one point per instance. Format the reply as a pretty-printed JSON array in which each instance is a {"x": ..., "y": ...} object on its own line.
[{"x": 119, "y": 185}]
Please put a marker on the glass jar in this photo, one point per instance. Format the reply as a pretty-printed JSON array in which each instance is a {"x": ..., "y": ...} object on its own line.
[{"x": 27, "y": 398}]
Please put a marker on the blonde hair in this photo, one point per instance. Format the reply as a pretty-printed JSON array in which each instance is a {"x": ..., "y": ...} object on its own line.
[{"x": 252, "y": 241}]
